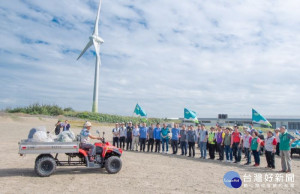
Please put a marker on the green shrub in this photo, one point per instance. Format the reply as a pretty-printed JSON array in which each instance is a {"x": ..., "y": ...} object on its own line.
[{"x": 54, "y": 110}]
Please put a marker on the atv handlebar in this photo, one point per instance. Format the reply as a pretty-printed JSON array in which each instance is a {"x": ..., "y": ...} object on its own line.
[{"x": 103, "y": 139}]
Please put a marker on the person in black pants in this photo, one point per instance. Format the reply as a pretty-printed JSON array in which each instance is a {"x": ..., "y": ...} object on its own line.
[
  {"x": 183, "y": 140},
  {"x": 277, "y": 139},
  {"x": 191, "y": 148},
  {"x": 236, "y": 145},
  {"x": 150, "y": 138},
  {"x": 123, "y": 134},
  {"x": 192, "y": 138},
  {"x": 157, "y": 137},
  {"x": 221, "y": 151},
  {"x": 211, "y": 143},
  {"x": 157, "y": 145},
  {"x": 270, "y": 149},
  {"x": 143, "y": 144},
  {"x": 116, "y": 135},
  {"x": 129, "y": 136},
  {"x": 174, "y": 141}
]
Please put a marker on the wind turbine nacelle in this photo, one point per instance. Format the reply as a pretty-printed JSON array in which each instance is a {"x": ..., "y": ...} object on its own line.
[{"x": 97, "y": 39}]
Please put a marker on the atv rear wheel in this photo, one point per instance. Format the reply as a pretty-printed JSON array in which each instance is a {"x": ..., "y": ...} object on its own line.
[
  {"x": 45, "y": 166},
  {"x": 113, "y": 164}
]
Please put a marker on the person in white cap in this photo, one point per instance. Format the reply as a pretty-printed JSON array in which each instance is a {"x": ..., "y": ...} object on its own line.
[{"x": 84, "y": 140}]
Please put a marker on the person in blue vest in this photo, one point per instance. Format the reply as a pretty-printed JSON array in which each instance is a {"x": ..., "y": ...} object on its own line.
[
  {"x": 175, "y": 134},
  {"x": 165, "y": 138},
  {"x": 157, "y": 137},
  {"x": 143, "y": 137},
  {"x": 286, "y": 141}
]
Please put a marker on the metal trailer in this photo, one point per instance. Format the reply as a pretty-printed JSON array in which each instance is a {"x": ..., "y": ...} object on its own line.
[
  {"x": 47, "y": 159},
  {"x": 26, "y": 147}
]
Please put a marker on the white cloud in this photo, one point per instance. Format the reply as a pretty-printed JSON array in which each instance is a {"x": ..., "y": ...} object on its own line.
[{"x": 210, "y": 56}]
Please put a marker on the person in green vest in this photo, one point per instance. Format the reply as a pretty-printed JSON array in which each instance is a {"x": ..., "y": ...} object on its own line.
[
  {"x": 255, "y": 145},
  {"x": 211, "y": 143},
  {"x": 285, "y": 148}
]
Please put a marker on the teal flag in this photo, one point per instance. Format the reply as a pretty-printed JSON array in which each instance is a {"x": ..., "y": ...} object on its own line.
[
  {"x": 188, "y": 114},
  {"x": 258, "y": 118},
  {"x": 139, "y": 111}
]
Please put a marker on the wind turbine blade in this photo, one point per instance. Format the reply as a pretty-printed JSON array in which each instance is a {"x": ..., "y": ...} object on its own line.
[
  {"x": 97, "y": 19},
  {"x": 88, "y": 45},
  {"x": 97, "y": 47}
]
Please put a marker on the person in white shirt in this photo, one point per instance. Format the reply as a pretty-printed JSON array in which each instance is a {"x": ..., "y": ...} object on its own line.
[
  {"x": 116, "y": 135},
  {"x": 135, "y": 137},
  {"x": 123, "y": 134}
]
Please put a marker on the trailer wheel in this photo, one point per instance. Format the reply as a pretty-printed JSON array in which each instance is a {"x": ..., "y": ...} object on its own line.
[
  {"x": 113, "y": 164},
  {"x": 45, "y": 166}
]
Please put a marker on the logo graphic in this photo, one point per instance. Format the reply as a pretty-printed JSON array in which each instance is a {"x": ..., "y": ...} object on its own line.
[{"x": 232, "y": 180}]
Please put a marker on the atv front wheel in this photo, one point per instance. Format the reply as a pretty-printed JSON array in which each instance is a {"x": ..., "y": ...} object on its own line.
[
  {"x": 45, "y": 166},
  {"x": 113, "y": 164}
]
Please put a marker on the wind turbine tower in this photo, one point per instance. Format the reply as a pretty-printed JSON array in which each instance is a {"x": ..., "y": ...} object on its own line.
[{"x": 96, "y": 41}]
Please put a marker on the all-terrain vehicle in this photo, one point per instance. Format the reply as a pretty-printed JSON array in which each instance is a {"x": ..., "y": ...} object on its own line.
[{"x": 107, "y": 156}]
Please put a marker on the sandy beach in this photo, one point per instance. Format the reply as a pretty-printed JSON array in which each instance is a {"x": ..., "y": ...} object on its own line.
[{"x": 141, "y": 172}]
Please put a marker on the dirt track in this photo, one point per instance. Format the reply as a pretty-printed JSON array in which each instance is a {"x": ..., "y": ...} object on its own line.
[{"x": 141, "y": 172}]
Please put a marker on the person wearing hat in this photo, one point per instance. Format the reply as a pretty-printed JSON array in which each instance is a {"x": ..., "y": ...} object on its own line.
[
  {"x": 116, "y": 135},
  {"x": 129, "y": 130},
  {"x": 123, "y": 133},
  {"x": 246, "y": 142},
  {"x": 85, "y": 135},
  {"x": 277, "y": 133}
]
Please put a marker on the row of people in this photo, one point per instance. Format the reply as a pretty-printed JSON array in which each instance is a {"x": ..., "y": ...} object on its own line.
[{"x": 222, "y": 140}]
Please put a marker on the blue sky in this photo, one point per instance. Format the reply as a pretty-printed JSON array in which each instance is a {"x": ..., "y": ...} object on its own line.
[{"x": 209, "y": 56}]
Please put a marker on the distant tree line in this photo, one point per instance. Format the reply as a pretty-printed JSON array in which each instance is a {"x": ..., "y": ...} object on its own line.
[{"x": 55, "y": 110}]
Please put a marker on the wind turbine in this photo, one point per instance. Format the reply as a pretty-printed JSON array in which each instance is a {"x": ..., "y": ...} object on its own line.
[{"x": 96, "y": 41}]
